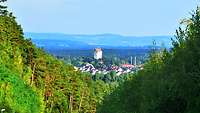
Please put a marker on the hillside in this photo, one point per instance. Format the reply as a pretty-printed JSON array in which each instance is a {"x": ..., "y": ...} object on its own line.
[
  {"x": 170, "y": 81},
  {"x": 32, "y": 81}
]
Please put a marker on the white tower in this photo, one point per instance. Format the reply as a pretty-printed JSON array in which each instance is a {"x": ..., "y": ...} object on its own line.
[
  {"x": 98, "y": 53},
  {"x": 131, "y": 60},
  {"x": 135, "y": 61}
]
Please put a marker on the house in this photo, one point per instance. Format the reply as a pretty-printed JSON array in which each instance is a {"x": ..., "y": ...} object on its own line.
[{"x": 127, "y": 66}]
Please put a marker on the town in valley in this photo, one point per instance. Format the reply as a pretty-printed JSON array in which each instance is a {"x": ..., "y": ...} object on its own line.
[{"x": 121, "y": 69}]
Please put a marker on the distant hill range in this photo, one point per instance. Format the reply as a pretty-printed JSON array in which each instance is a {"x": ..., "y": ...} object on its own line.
[{"x": 107, "y": 41}]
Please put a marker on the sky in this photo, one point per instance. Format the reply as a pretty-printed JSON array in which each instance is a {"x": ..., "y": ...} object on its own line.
[{"x": 125, "y": 17}]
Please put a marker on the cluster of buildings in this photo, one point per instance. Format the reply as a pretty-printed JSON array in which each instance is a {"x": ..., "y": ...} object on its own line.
[{"x": 122, "y": 69}]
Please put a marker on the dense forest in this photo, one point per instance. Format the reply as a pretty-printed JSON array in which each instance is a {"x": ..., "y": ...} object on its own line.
[
  {"x": 170, "y": 81},
  {"x": 32, "y": 81}
]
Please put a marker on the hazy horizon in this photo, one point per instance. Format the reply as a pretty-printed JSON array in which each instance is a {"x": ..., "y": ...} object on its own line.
[{"x": 128, "y": 35}]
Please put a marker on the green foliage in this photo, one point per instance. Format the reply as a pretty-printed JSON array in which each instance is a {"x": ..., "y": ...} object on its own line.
[
  {"x": 31, "y": 81},
  {"x": 15, "y": 96},
  {"x": 112, "y": 77},
  {"x": 170, "y": 81}
]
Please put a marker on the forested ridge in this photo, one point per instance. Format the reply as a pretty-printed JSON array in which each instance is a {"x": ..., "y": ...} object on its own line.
[
  {"x": 32, "y": 81},
  {"x": 170, "y": 81}
]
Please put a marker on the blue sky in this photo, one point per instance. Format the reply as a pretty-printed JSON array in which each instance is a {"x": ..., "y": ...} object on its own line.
[{"x": 125, "y": 17}]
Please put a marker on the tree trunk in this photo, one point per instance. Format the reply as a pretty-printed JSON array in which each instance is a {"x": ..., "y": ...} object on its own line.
[
  {"x": 71, "y": 103},
  {"x": 32, "y": 76},
  {"x": 80, "y": 104}
]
